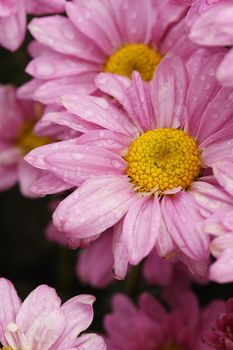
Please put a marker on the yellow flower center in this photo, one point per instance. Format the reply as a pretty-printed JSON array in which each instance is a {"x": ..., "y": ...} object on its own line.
[
  {"x": 27, "y": 140},
  {"x": 6, "y": 348},
  {"x": 163, "y": 159},
  {"x": 134, "y": 57}
]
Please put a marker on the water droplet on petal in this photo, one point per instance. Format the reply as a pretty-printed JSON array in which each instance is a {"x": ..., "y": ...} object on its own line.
[{"x": 78, "y": 156}]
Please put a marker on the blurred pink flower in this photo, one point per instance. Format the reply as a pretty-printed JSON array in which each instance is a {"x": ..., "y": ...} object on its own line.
[
  {"x": 42, "y": 323},
  {"x": 17, "y": 137},
  {"x": 220, "y": 227},
  {"x": 97, "y": 36},
  {"x": 221, "y": 334},
  {"x": 13, "y": 18},
  {"x": 150, "y": 327},
  {"x": 210, "y": 23},
  {"x": 146, "y": 211}
]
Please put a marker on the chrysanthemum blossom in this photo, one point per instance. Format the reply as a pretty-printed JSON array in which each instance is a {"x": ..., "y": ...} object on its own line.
[
  {"x": 220, "y": 227},
  {"x": 220, "y": 335},
  {"x": 13, "y": 18},
  {"x": 102, "y": 36},
  {"x": 157, "y": 163},
  {"x": 210, "y": 23},
  {"x": 17, "y": 137},
  {"x": 40, "y": 322},
  {"x": 150, "y": 327}
]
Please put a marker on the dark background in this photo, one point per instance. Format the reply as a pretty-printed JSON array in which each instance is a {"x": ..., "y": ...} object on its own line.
[{"x": 28, "y": 259}]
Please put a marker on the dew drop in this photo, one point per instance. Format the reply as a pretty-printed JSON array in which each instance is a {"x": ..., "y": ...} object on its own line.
[{"x": 78, "y": 156}]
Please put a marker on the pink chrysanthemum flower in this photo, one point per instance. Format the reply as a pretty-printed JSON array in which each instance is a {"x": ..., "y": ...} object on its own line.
[
  {"x": 221, "y": 334},
  {"x": 102, "y": 36},
  {"x": 17, "y": 137},
  {"x": 210, "y": 23},
  {"x": 151, "y": 168},
  {"x": 150, "y": 327},
  {"x": 220, "y": 227},
  {"x": 42, "y": 323},
  {"x": 13, "y": 18}
]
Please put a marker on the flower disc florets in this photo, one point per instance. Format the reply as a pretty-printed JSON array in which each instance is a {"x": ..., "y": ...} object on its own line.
[
  {"x": 163, "y": 159},
  {"x": 134, "y": 57}
]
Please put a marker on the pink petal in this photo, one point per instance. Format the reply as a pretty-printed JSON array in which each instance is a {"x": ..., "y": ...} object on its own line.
[
  {"x": 78, "y": 314},
  {"x": 223, "y": 173},
  {"x": 210, "y": 197},
  {"x": 185, "y": 233},
  {"x": 8, "y": 177},
  {"x": 37, "y": 156},
  {"x": 49, "y": 184},
  {"x": 136, "y": 26},
  {"x": 57, "y": 66},
  {"x": 54, "y": 235},
  {"x": 210, "y": 122},
  {"x": 214, "y": 27},
  {"x": 120, "y": 253},
  {"x": 166, "y": 20},
  {"x": 41, "y": 299},
  {"x": 92, "y": 21},
  {"x": 99, "y": 111},
  {"x": 197, "y": 9},
  {"x": 40, "y": 7},
  {"x": 108, "y": 196},
  {"x": 9, "y": 154},
  {"x": 9, "y": 306},
  {"x": 90, "y": 341},
  {"x": 60, "y": 34},
  {"x": 50, "y": 92},
  {"x": 151, "y": 307},
  {"x": 222, "y": 270},
  {"x": 11, "y": 113},
  {"x": 221, "y": 243},
  {"x": 122, "y": 305},
  {"x": 199, "y": 269},
  {"x": 75, "y": 163},
  {"x": 178, "y": 42},
  {"x": 141, "y": 228},
  {"x": 106, "y": 139},
  {"x": 157, "y": 270},
  {"x": 13, "y": 28},
  {"x": 27, "y": 176},
  {"x": 117, "y": 86},
  {"x": 94, "y": 265},
  {"x": 202, "y": 68},
  {"x": 40, "y": 331},
  {"x": 164, "y": 244},
  {"x": 225, "y": 70},
  {"x": 188, "y": 305},
  {"x": 168, "y": 92},
  {"x": 63, "y": 118},
  {"x": 141, "y": 113},
  {"x": 127, "y": 92},
  {"x": 27, "y": 90},
  {"x": 211, "y": 312}
]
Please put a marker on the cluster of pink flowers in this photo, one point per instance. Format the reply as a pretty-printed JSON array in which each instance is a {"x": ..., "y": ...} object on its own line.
[{"x": 128, "y": 116}]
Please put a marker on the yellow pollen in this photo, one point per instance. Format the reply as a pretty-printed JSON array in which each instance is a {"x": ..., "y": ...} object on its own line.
[
  {"x": 27, "y": 140},
  {"x": 6, "y": 348},
  {"x": 163, "y": 159},
  {"x": 134, "y": 57}
]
